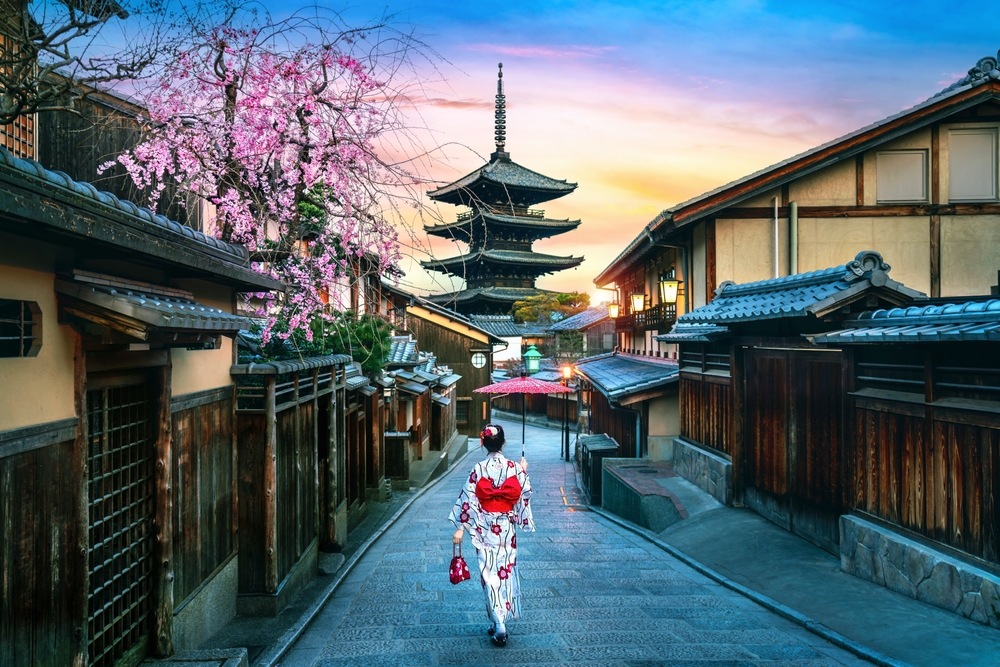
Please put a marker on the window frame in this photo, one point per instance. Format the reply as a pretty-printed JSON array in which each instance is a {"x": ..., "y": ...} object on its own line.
[
  {"x": 35, "y": 328},
  {"x": 925, "y": 184},
  {"x": 993, "y": 131}
]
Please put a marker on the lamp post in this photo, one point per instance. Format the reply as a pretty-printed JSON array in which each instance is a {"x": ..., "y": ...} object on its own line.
[{"x": 566, "y": 371}]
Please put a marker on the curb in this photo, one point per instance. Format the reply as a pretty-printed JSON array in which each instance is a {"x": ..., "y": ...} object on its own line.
[
  {"x": 809, "y": 624},
  {"x": 278, "y": 649}
]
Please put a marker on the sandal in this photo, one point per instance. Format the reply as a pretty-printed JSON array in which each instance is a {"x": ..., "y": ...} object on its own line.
[
  {"x": 492, "y": 630},
  {"x": 499, "y": 640}
]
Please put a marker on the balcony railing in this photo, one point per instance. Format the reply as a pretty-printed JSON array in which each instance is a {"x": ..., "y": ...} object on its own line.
[
  {"x": 659, "y": 317},
  {"x": 516, "y": 211}
]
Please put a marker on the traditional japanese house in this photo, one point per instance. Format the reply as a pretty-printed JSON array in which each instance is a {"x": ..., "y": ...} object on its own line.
[
  {"x": 466, "y": 349},
  {"x": 632, "y": 400},
  {"x": 922, "y": 422},
  {"x": 118, "y": 453},
  {"x": 585, "y": 334},
  {"x": 519, "y": 336},
  {"x": 920, "y": 186},
  {"x": 500, "y": 266},
  {"x": 763, "y": 417}
]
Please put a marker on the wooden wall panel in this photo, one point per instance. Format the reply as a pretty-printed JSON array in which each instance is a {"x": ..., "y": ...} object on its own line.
[
  {"x": 934, "y": 477},
  {"x": 706, "y": 411},
  {"x": 617, "y": 423},
  {"x": 202, "y": 493},
  {"x": 41, "y": 566},
  {"x": 252, "y": 438}
]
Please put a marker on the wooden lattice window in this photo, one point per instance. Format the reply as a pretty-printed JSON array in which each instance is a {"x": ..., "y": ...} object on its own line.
[
  {"x": 20, "y": 328},
  {"x": 18, "y": 137}
]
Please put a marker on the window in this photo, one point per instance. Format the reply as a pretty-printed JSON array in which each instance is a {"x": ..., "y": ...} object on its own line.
[
  {"x": 608, "y": 341},
  {"x": 462, "y": 410},
  {"x": 478, "y": 360},
  {"x": 972, "y": 159},
  {"x": 20, "y": 328},
  {"x": 901, "y": 176}
]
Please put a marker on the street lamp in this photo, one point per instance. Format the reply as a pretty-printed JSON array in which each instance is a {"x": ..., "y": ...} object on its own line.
[
  {"x": 566, "y": 373},
  {"x": 532, "y": 359},
  {"x": 668, "y": 287},
  {"x": 638, "y": 301}
]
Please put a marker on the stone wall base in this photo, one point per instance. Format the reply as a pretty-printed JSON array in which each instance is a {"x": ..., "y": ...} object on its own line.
[
  {"x": 883, "y": 557},
  {"x": 661, "y": 447},
  {"x": 271, "y": 604},
  {"x": 710, "y": 472},
  {"x": 209, "y": 609}
]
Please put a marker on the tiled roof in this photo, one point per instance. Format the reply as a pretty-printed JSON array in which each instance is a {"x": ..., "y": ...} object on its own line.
[
  {"x": 291, "y": 366},
  {"x": 797, "y": 295},
  {"x": 583, "y": 320},
  {"x": 543, "y": 227},
  {"x": 505, "y": 326},
  {"x": 402, "y": 350},
  {"x": 683, "y": 332},
  {"x": 160, "y": 311},
  {"x": 952, "y": 322},
  {"x": 88, "y": 191},
  {"x": 515, "y": 257},
  {"x": 505, "y": 294},
  {"x": 508, "y": 173},
  {"x": 618, "y": 376}
]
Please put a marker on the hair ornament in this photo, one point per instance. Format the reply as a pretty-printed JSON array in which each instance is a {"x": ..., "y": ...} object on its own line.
[{"x": 490, "y": 431}]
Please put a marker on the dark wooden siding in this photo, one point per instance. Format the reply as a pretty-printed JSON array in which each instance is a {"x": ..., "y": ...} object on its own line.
[
  {"x": 706, "y": 410},
  {"x": 251, "y": 434},
  {"x": 39, "y": 558},
  {"x": 296, "y": 486},
  {"x": 454, "y": 350},
  {"x": 203, "y": 493},
  {"x": 794, "y": 441},
  {"x": 614, "y": 422}
]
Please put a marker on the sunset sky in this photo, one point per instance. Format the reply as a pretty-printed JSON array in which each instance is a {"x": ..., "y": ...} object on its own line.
[{"x": 648, "y": 104}]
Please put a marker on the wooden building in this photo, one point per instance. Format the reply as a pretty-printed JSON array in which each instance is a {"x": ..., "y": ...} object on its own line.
[
  {"x": 117, "y": 445},
  {"x": 921, "y": 186},
  {"x": 761, "y": 406},
  {"x": 585, "y": 334},
  {"x": 632, "y": 400}
]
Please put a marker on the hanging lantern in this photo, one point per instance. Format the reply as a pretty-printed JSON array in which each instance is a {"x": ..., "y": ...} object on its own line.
[
  {"x": 668, "y": 290},
  {"x": 612, "y": 310},
  {"x": 638, "y": 302}
]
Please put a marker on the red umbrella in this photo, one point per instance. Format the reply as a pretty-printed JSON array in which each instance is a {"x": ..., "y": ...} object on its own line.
[{"x": 523, "y": 385}]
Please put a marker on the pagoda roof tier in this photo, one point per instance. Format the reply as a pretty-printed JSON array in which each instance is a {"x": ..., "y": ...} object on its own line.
[
  {"x": 533, "y": 224},
  {"x": 486, "y": 298},
  {"x": 502, "y": 182},
  {"x": 532, "y": 262}
]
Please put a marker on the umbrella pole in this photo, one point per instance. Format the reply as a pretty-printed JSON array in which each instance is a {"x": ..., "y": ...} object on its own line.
[{"x": 524, "y": 399}]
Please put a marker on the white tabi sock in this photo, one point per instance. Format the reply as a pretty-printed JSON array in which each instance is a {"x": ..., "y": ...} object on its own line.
[{"x": 501, "y": 628}]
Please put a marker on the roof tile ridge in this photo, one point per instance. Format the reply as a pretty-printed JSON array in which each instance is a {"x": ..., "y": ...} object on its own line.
[
  {"x": 958, "y": 311},
  {"x": 819, "y": 277}
]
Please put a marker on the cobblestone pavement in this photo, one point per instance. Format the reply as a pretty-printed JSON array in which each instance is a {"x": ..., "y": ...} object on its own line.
[{"x": 594, "y": 594}]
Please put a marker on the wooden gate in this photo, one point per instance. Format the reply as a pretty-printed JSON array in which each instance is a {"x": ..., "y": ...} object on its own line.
[
  {"x": 120, "y": 461},
  {"x": 794, "y": 435}
]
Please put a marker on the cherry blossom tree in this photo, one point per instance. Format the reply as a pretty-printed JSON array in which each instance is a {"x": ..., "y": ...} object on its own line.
[{"x": 279, "y": 125}]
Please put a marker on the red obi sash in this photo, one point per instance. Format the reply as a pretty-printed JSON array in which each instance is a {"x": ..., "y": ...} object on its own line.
[{"x": 494, "y": 499}]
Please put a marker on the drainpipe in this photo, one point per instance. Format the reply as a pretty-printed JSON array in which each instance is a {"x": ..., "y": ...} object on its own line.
[
  {"x": 793, "y": 237},
  {"x": 777, "y": 272}
]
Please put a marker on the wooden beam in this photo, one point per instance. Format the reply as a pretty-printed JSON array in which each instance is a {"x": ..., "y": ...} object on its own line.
[
  {"x": 710, "y": 257},
  {"x": 270, "y": 488},
  {"x": 859, "y": 168},
  {"x": 163, "y": 524},
  {"x": 79, "y": 576},
  {"x": 935, "y": 246},
  {"x": 784, "y": 194},
  {"x": 935, "y": 165},
  {"x": 887, "y": 211}
]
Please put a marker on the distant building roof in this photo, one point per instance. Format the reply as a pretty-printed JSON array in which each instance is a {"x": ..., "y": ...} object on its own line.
[
  {"x": 402, "y": 351},
  {"x": 505, "y": 326},
  {"x": 619, "y": 376},
  {"x": 683, "y": 332},
  {"x": 799, "y": 295},
  {"x": 938, "y": 323},
  {"x": 580, "y": 321},
  {"x": 536, "y": 226},
  {"x": 539, "y": 262}
]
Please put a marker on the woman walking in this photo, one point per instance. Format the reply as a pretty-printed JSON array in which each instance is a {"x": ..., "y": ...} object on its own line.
[{"x": 493, "y": 504}]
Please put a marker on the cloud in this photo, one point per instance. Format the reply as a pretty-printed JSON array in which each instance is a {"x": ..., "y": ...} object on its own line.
[
  {"x": 553, "y": 52},
  {"x": 455, "y": 104}
]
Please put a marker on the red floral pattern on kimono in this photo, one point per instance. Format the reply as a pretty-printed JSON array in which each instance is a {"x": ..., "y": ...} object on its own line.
[{"x": 504, "y": 487}]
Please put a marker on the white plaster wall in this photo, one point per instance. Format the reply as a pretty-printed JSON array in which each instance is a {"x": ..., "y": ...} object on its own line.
[
  {"x": 903, "y": 242},
  {"x": 696, "y": 288},
  {"x": 970, "y": 254},
  {"x": 745, "y": 249},
  {"x": 835, "y": 185},
  {"x": 198, "y": 370}
]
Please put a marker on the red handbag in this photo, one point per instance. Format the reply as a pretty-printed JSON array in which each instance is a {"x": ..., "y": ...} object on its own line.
[{"x": 458, "y": 571}]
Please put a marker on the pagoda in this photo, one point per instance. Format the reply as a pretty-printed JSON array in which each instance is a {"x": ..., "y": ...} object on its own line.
[{"x": 499, "y": 228}]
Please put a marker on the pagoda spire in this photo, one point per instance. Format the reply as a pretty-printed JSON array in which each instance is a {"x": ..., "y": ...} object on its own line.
[{"x": 500, "y": 116}]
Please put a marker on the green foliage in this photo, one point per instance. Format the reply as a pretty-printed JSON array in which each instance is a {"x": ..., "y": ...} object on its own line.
[
  {"x": 366, "y": 339},
  {"x": 550, "y": 307},
  {"x": 569, "y": 345}
]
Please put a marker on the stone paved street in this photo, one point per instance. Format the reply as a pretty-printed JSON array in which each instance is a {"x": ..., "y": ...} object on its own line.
[{"x": 594, "y": 594}]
